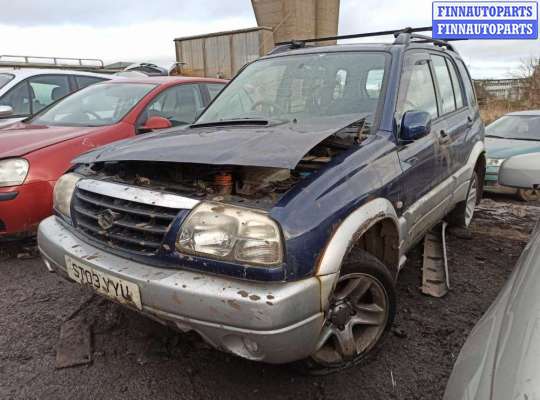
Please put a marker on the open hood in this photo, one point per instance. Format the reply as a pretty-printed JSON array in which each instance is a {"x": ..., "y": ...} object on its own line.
[{"x": 276, "y": 145}]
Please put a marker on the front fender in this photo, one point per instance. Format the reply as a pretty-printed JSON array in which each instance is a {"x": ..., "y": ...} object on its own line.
[{"x": 352, "y": 228}]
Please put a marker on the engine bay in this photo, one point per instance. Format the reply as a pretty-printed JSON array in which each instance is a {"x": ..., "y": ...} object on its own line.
[{"x": 254, "y": 186}]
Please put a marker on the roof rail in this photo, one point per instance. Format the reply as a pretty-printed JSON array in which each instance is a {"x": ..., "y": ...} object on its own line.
[
  {"x": 394, "y": 32},
  {"x": 48, "y": 62},
  {"x": 403, "y": 36},
  {"x": 407, "y": 38}
]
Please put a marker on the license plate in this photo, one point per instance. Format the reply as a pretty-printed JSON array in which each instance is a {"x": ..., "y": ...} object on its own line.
[{"x": 110, "y": 286}]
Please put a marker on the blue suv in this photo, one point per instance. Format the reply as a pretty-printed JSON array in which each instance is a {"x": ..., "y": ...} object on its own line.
[{"x": 276, "y": 225}]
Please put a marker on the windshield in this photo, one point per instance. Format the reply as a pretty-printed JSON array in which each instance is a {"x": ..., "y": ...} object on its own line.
[
  {"x": 5, "y": 78},
  {"x": 97, "y": 105},
  {"x": 523, "y": 127},
  {"x": 303, "y": 87}
]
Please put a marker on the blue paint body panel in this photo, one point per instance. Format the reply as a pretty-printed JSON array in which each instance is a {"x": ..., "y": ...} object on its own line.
[{"x": 381, "y": 166}]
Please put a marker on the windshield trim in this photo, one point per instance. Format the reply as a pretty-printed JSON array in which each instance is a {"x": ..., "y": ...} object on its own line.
[
  {"x": 317, "y": 50},
  {"x": 31, "y": 119}
]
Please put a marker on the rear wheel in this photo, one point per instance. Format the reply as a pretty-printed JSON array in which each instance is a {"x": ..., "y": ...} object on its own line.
[
  {"x": 361, "y": 311},
  {"x": 528, "y": 194},
  {"x": 463, "y": 214}
]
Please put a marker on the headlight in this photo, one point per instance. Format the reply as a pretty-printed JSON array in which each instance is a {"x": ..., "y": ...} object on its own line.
[
  {"x": 495, "y": 162},
  {"x": 63, "y": 191},
  {"x": 13, "y": 171},
  {"x": 232, "y": 234}
]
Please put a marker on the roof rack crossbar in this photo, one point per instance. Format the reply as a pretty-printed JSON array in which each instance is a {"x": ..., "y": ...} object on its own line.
[{"x": 394, "y": 32}]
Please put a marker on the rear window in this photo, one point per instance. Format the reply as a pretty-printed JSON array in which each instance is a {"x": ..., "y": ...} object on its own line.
[
  {"x": 445, "y": 84},
  {"x": 456, "y": 85},
  {"x": 467, "y": 81},
  {"x": 5, "y": 78}
]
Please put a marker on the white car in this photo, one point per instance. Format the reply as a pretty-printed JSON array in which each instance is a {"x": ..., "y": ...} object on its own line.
[{"x": 25, "y": 91}]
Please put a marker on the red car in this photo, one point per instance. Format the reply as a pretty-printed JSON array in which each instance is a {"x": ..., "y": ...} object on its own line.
[{"x": 36, "y": 152}]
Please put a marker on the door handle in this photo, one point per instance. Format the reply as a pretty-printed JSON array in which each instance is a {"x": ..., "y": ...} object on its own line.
[{"x": 443, "y": 137}]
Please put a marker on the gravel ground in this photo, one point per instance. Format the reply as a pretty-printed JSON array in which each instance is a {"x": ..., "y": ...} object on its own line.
[{"x": 136, "y": 358}]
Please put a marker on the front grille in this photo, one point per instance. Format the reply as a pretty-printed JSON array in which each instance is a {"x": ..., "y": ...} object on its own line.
[{"x": 137, "y": 227}]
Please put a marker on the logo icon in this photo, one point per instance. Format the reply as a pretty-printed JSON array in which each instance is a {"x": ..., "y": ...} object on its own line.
[{"x": 106, "y": 219}]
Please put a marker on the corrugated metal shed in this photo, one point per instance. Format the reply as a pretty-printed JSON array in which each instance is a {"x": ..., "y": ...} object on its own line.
[{"x": 222, "y": 54}]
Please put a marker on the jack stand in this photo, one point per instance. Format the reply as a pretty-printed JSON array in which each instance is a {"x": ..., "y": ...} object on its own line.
[{"x": 435, "y": 274}]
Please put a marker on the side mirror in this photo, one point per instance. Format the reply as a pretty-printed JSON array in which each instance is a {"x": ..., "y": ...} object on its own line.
[
  {"x": 414, "y": 125},
  {"x": 6, "y": 111},
  {"x": 156, "y": 122},
  {"x": 522, "y": 172}
]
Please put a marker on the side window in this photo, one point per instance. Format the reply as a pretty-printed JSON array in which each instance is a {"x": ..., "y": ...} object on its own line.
[
  {"x": 455, "y": 84},
  {"x": 180, "y": 104},
  {"x": 214, "y": 89},
  {"x": 18, "y": 98},
  {"x": 448, "y": 103},
  {"x": 46, "y": 89},
  {"x": 467, "y": 81},
  {"x": 417, "y": 91},
  {"x": 84, "y": 81}
]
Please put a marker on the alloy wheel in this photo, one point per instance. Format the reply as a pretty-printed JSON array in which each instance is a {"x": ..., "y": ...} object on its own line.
[{"x": 356, "y": 321}]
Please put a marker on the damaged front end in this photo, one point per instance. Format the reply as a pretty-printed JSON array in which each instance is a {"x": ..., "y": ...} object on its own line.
[
  {"x": 227, "y": 220},
  {"x": 251, "y": 186}
]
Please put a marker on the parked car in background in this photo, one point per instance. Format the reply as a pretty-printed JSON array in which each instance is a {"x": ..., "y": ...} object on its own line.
[
  {"x": 143, "y": 69},
  {"x": 35, "y": 153},
  {"x": 275, "y": 225},
  {"x": 513, "y": 134},
  {"x": 500, "y": 358},
  {"x": 25, "y": 91}
]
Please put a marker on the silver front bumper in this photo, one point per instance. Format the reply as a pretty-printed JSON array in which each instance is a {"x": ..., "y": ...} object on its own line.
[{"x": 271, "y": 322}]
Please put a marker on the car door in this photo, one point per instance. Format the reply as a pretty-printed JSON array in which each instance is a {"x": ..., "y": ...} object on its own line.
[
  {"x": 180, "y": 104},
  {"x": 475, "y": 130},
  {"x": 418, "y": 158},
  {"x": 454, "y": 120}
]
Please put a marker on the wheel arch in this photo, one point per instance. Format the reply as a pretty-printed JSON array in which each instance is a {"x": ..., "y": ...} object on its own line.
[{"x": 374, "y": 227}]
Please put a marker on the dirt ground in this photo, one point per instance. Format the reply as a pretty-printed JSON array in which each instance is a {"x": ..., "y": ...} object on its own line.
[{"x": 136, "y": 358}]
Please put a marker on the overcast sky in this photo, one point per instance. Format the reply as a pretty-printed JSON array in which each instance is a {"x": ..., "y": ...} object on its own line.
[{"x": 122, "y": 30}]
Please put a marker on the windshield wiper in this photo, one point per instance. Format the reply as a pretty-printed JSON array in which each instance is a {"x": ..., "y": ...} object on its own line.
[
  {"x": 234, "y": 121},
  {"x": 496, "y": 136}
]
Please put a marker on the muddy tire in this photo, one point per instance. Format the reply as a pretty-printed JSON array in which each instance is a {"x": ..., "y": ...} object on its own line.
[
  {"x": 528, "y": 194},
  {"x": 362, "y": 310},
  {"x": 462, "y": 215}
]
